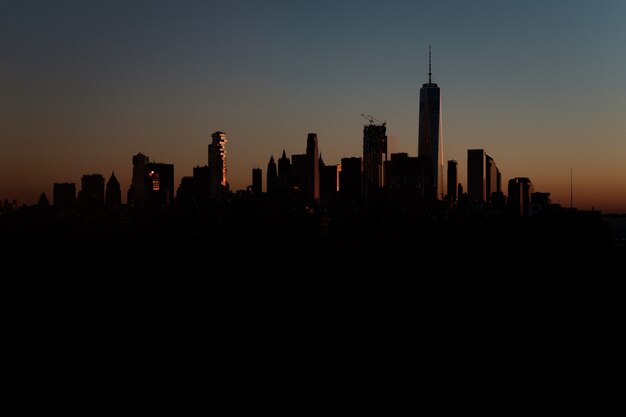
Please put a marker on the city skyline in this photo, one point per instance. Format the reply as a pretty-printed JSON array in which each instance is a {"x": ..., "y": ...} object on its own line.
[{"x": 537, "y": 86}]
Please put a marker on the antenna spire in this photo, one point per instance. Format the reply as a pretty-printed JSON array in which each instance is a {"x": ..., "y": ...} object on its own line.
[{"x": 430, "y": 74}]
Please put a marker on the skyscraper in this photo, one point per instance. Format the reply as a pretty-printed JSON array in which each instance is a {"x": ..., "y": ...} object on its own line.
[
  {"x": 137, "y": 191},
  {"x": 201, "y": 184},
  {"x": 272, "y": 177},
  {"x": 312, "y": 179},
  {"x": 350, "y": 179},
  {"x": 92, "y": 190},
  {"x": 113, "y": 192},
  {"x": 285, "y": 176},
  {"x": 217, "y": 163},
  {"x": 476, "y": 167},
  {"x": 257, "y": 181},
  {"x": 430, "y": 141},
  {"x": 491, "y": 177},
  {"x": 160, "y": 183},
  {"x": 452, "y": 180},
  {"x": 520, "y": 190},
  {"x": 374, "y": 146}
]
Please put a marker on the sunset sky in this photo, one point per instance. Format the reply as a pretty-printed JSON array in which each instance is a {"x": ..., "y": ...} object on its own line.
[{"x": 84, "y": 85}]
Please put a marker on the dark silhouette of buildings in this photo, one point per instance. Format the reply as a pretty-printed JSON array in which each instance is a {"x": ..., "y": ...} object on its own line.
[
  {"x": 160, "y": 184},
  {"x": 492, "y": 175},
  {"x": 350, "y": 182},
  {"x": 374, "y": 147},
  {"x": 137, "y": 192},
  {"x": 113, "y": 192},
  {"x": 217, "y": 163},
  {"x": 329, "y": 183},
  {"x": 312, "y": 176},
  {"x": 476, "y": 167},
  {"x": 520, "y": 190},
  {"x": 64, "y": 195},
  {"x": 92, "y": 189},
  {"x": 409, "y": 180},
  {"x": 430, "y": 141},
  {"x": 299, "y": 173},
  {"x": 285, "y": 175},
  {"x": 201, "y": 184},
  {"x": 453, "y": 180},
  {"x": 43, "y": 200},
  {"x": 272, "y": 177},
  {"x": 185, "y": 195},
  {"x": 257, "y": 181}
]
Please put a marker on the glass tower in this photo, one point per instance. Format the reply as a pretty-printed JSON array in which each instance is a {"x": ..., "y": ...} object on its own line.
[{"x": 430, "y": 141}]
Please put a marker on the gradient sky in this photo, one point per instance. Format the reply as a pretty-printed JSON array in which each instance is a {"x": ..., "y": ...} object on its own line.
[{"x": 84, "y": 85}]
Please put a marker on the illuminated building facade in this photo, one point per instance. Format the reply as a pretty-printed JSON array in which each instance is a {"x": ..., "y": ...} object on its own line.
[{"x": 217, "y": 163}]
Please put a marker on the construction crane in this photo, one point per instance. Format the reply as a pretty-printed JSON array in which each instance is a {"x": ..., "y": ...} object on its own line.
[{"x": 372, "y": 119}]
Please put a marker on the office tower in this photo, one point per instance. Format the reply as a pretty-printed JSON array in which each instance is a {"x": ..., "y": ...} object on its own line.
[
  {"x": 430, "y": 141},
  {"x": 299, "y": 173},
  {"x": 217, "y": 163},
  {"x": 350, "y": 183},
  {"x": 452, "y": 180},
  {"x": 272, "y": 177},
  {"x": 312, "y": 179},
  {"x": 185, "y": 194},
  {"x": 201, "y": 184},
  {"x": 64, "y": 195},
  {"x": 329, "y": 182},
  {"x": 160, "y": 184},
  {"x": 257, "y": 181},
  {"x": 137, "y": 191},
  {"x": 520, "y": 190},
  {"x": 285, "y": 176},
  {"x": 476, "y": 167},
  {"x": 498, "y": 181},
  {"x": 113, "y": 192},
  {"x": 491, "y": 177},
  {"x": 374, "y": 147},
  {"x": 410, "y": 180},
  {"x": 92, "y": 189}
]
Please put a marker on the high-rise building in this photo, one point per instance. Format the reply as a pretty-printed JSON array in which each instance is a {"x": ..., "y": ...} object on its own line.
[
  {"x": 92, "y": 189},
  {"x": 257, "y": 181},
  {"x": 476, "y": 167},
  {"x": 312, "y": 178},
  {"x": 374, "y": 147},
  {"x": 272, "y": 177},
  {"x": 64, "y": 195},
  {"x": 520, "y": 190},
  {"x": 137, "y": 191},
  {"x": 298, "y": 172},
  {"x": 201, "y": 184},
  {"x": 160, "y": 183},
  {"x": 285, "y": 176},
  {"x": 113, "y": 192},
  {"x": 491, "y": 177},
  {"x": 430, "y": 140},
  {"x": 453, "y": 180},
  {"x": 498, "y": 181},
  {"x": 217, "y": 163},
  {"x": 185, "y": 193},
  {"x": 329, "y": 183},
  {"x": 350, "y": 179}
]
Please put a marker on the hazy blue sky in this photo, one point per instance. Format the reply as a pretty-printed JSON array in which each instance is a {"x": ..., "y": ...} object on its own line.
[{"x": 84, "y": 85}]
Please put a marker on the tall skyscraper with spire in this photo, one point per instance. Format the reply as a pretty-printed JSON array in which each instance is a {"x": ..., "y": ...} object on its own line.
[{"x": 430, "y": 141}]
